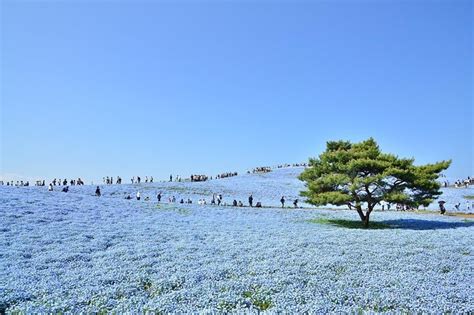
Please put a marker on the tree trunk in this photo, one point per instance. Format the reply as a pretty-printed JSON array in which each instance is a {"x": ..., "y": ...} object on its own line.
[
  {"x": 361, "y": 213},
  {"x": 367, "y": 216},
  {"x": 366, "y": 220}
]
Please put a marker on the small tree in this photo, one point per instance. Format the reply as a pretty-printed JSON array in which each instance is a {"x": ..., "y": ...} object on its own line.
[{"x": 360, "y": 176}]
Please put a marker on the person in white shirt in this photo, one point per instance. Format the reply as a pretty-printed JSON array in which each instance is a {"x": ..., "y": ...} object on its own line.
[{"x": 138, "y": 195}]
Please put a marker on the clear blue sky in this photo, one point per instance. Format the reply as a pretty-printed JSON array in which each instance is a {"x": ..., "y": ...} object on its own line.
[{"x": 96, "y": 88}]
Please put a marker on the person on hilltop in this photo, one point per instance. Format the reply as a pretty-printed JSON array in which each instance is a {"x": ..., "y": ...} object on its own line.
[
  {"x": 138, "y": 179},
  {"x": 251, "y": 200},
  {"x": 50, "y": 187},
  {"x": 97, "y": 191},
  {"x": 171, "y": 178},
  {"x": 295, "y": 203},
  {"x": 282, "y": 200}
]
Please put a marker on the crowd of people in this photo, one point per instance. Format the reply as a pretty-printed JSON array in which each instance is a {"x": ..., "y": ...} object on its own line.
[
  {"x": 261, "y": 169},
  {"x": 138, "y": 180},
  {"x": 225, "y": 175},
  {"x": 64, "y": 182},
  {"x": 217, "y": 199},
  {"x": 292, "y": 165},
  {"x": 464, "y": 183},
  {"x": 110, "y": 180},
  {"x": 460, "y": 183},
  {"x": 18, "y": 183},
  {"x": 199, "y": 178}
]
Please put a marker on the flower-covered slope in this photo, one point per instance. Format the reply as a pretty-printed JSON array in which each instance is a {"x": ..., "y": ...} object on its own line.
[{"x": 74, "y": 252}]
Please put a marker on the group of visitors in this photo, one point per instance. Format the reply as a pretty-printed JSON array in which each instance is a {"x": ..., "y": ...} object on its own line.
[
  {"x": 292, "y": 165},
  {"x": 110, "y": 180},
  {"x": 261, "y": 169},
  {"x": 54, "y": 182},
  {"x": 177, "y": 178},
  {"x": 464, "y": 183},
  {"x": 216, "y": 199},
  {"x": 65, "y": 182},
  {"x": 18, "y": 183},
  {"x": 225, "y": 175},
  {"x": 199, "y": 178},
  {"x": 65, "y": 188},
  {"x": 138, "y": 180}
]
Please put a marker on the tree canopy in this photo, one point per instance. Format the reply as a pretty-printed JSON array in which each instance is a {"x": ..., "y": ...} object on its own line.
[{"x": 360, "y": 176}]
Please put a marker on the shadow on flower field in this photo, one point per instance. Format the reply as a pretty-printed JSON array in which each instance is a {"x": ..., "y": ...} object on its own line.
[
  {"x": 406, "y": 224},
  {"x": 416, "y": 224}
]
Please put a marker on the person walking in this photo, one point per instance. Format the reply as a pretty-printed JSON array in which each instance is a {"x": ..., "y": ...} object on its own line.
[
  {"x": 295, "y": 203},
  {"x": 159, "y": 196},
  {"x": 282, "y": 200},
  {"x": 97, "y": 191},
  {"x": 251, "y": 200}
]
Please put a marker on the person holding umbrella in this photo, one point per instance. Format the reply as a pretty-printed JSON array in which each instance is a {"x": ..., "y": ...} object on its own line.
[{"x": 442, "y": 209}]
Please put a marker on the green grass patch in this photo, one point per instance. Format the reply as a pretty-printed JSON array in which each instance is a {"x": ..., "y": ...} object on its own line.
[
  {"x": 470, "y": 197},
  {"x": 349, "y": 224},
  {"x": 259, "y": 298}
]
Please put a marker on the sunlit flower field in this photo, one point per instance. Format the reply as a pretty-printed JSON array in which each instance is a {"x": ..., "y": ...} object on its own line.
[{"x": 74, "y": 252}]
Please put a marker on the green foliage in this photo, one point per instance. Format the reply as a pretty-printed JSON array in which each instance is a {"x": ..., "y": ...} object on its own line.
[
  {"x": 470, "y": 197},
  {"x": 359, "y": 176},
  {"x": 259, "y": 298}
]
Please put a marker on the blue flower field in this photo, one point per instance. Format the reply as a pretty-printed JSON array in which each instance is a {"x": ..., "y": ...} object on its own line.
[{"x": 74, "y": 252}]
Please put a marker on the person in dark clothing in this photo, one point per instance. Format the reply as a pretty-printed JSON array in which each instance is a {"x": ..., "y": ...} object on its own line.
[
  {"x": 66, "y": 189},
  {"x": 295, "y": 203},
  {"x": 442, "y": 209},
  {"x": 138, "y": 179},
  {"x": 251, "y": 200},
  {"x": 159, "y": 196},
  {"x": 97, "y": 191},
  {"x": 128, "y": 197},
  {"x": 171, "y": 178},
  {"x": 282, "y": 200},
  {"x": 234, "y": 203}
]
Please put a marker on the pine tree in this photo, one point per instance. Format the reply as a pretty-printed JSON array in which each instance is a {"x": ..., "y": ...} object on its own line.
[{"x": 360, "y": 176}]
